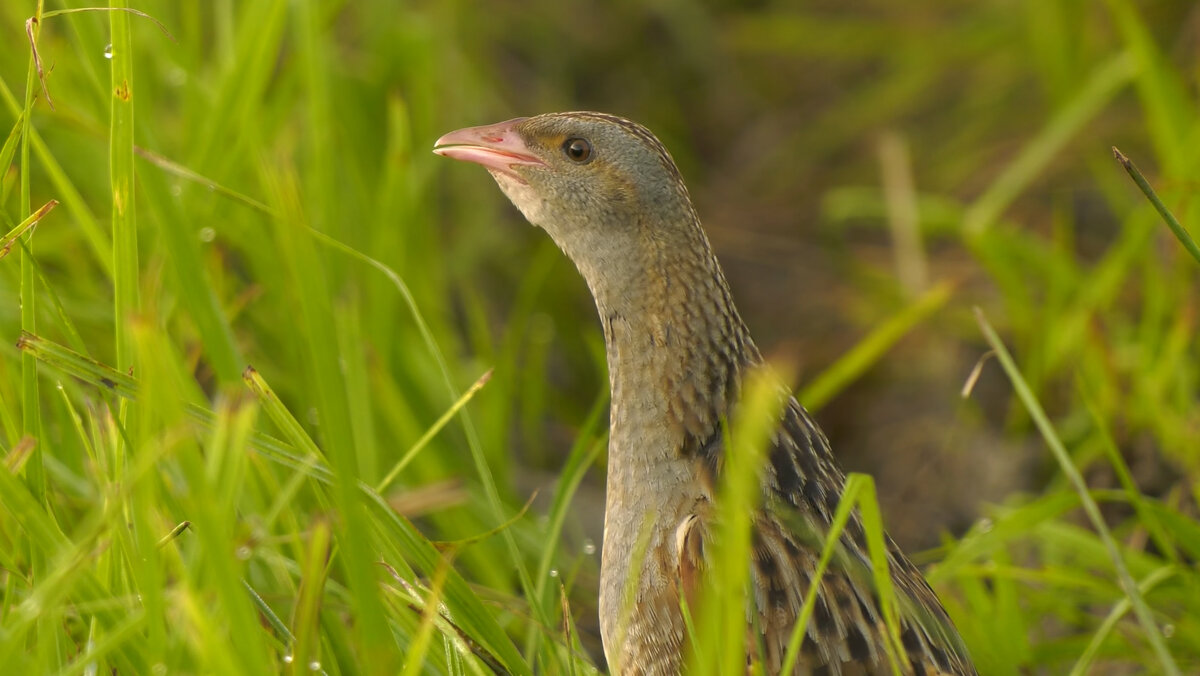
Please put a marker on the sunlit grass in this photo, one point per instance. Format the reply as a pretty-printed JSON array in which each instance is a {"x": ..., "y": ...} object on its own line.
[{"x": 252, "y": 187}]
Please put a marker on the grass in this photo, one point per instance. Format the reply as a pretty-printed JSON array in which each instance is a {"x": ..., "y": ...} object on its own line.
[{"x": 244, "y": 428}]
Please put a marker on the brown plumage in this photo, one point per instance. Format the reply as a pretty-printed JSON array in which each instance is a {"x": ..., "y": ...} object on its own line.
[{"x": 610, "y": 196}]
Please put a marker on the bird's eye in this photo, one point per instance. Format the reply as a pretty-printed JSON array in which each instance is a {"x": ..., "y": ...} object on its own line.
[{"x": 578, "y": 149}]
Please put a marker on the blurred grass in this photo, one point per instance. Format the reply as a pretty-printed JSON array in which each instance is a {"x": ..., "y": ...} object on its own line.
[{"x": 255, "y": 188}]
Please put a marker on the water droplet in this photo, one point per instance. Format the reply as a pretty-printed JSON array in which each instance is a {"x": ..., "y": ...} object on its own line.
[
  {"x": 553, "y": 572},
  {"x": 314, "y": 666},
  {"x": 243, "y": 553},
  {"x": 589, "y": 547},
  {"x": 986, "y": 525},
  {"x": 207, "y": 234},
  {"x": 108, "y": 51},
  {"x": 212, "y": 187},
  {"x": 287, "y": 659}
]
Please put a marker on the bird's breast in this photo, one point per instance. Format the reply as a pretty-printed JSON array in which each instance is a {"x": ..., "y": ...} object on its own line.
[{"x": 650, "y": 512}]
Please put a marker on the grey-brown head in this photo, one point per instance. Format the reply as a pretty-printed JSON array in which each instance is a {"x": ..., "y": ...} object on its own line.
[{"x": 602, "y": 187}]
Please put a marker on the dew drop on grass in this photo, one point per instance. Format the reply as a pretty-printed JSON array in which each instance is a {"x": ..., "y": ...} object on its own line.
[
  {"x": 108, "y": 51},
  {"x": 553, "y": 572},
  {"x": 207, "y": 234},
  {"x": 589, "y": 547},
  {"x": 985, "y": 525},
  {"x": 287, "y": 659},
  {"x": 314, "y": 666},
  {"x": 243, "y": 553}
]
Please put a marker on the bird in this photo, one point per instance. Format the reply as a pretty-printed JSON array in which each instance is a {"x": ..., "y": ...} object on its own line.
[{"x": 609, "y": 194}]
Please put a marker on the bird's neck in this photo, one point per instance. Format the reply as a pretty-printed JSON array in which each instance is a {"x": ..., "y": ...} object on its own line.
[{"x": 676, "y": 350}]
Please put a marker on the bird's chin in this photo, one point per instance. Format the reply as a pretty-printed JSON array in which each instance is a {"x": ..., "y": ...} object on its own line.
[
  {"x": 520, "y": 193},
  {"x": 506, "y": 175}
]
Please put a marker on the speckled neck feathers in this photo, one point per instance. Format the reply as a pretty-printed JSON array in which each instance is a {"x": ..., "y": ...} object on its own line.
[{"x": 678, "y": 337}]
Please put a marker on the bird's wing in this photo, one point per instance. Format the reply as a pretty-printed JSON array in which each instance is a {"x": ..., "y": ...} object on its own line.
[{"x": 846, "y": 631}]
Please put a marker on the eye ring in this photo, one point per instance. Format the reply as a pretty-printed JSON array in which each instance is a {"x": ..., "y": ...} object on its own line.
[{"x": 578, "y": 150}]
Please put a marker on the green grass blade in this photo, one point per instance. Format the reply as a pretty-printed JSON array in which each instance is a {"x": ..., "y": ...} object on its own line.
[
  {"x": 269, "y": 614},
  {"x": 877, "y": 549},
  {"x": 414, "y": 662},
  {"x": 871, "y": 348},
  {"x": 721, "y": 627},
  {"x": 9, "y": 149},
  {"x": 77, "y": 365},
  {"x": 175, "y": 169},
  {"x": 1180, "y": 232},
  {"x": 124, "y": 222},
  {"x": 27, "y": 225},
  {"x": 1114, "y": 615},
  {"x": 836, "y": 526},
  {"x": 50, "y": 651},
  {"x": 283, "y": 419},
  {"x": 306, "y": 648},
  {"x": 432, "y": 432},
  {"x": 1141, "y": 609}
]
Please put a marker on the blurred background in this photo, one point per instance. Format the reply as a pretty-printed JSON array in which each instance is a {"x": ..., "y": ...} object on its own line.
[{"x": 868, "y": 172}]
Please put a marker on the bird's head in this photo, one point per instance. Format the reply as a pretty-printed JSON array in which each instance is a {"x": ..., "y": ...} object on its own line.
[{"x": 603, "y": 187}]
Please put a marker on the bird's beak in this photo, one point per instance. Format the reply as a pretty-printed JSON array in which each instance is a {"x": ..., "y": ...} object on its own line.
[{"x": 498, "y": 147}]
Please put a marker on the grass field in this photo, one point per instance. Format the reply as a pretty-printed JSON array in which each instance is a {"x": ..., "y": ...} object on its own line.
[{"x": 285, "y": 392}]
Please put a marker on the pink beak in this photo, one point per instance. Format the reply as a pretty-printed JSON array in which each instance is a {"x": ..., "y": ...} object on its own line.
[{"x": 498, "y": 147}]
